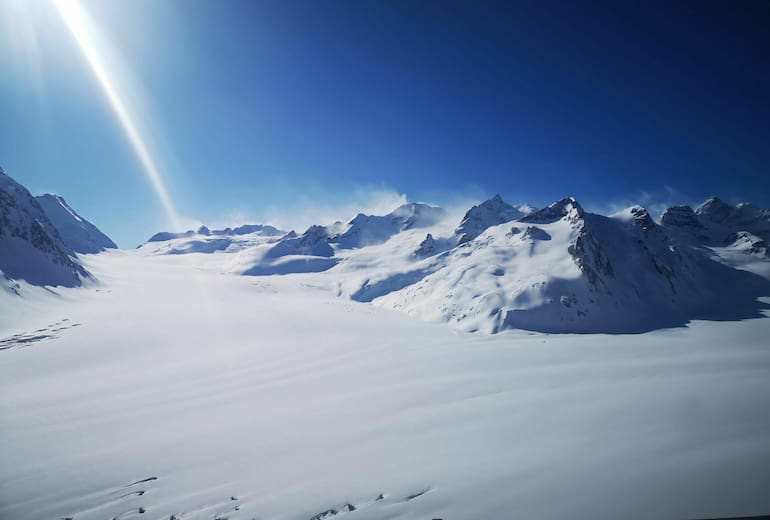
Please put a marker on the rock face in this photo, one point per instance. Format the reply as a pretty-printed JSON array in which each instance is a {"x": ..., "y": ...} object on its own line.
[
  {"x": 427, "y": 247},
  {"x": 487, "y": 214},
  {"x": 76, "y": 232},
  {"x": 31, "y": 248},
  {"x": 566, "y": 208},
  {"x": 682, "y": 217}
]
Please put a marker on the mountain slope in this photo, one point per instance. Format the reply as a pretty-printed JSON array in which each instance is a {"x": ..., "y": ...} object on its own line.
[
  {"x": 717, "y": 223},
  {"x": 557, "y": 269},
  {"x": 30, "y": 246},
  {"x": 487, "y": 214},
  {"x": 76, "y": 232},
  {"x": 562, "y": 269},
  {"x": 365, "y": 230}
]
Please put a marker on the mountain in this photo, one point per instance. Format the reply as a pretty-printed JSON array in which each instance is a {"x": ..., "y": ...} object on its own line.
[
  {"x": 76, "y": 232},
  {"x": 205, "y": 240},
  {"x": 365, "y": 230},
  {"x": 487, "y": 214},
  {"x": 562, "y": 269},
  {"x": 715, "y": 223},
  {"x": 31, "y": 248},
  {"x": 203, "y": 231},
  {"x": 556, "y": 269}
]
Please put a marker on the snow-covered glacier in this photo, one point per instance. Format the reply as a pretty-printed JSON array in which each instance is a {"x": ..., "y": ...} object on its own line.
[{"x": 254, "y": 372}]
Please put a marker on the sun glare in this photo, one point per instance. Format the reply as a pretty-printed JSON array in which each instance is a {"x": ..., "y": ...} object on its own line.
[{"x": 77, "y": 21}]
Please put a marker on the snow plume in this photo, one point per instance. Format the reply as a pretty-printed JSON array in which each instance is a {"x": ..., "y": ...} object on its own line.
[
  {"x": 306, "y": 211},
  {"x": 655, "y": 201}
]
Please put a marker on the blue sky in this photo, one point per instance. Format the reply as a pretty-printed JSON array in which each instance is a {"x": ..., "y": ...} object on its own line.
[{"x": 261, "y": 110}]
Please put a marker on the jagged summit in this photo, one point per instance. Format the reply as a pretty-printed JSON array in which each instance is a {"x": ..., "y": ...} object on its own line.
[
  {"x": 489, "y": 213},
  {"x": 566, "y": 207}
]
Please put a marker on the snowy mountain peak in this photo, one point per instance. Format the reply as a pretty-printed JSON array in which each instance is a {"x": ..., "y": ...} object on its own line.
[
  {"x": 76, "y": 232},
  {"x": 681, "y": 217},
  {"x": 417, "y": 215},
  {"x": 491, "y": 212},
  {"x": 204, "y": 231},
  {"x": 364, "y": 230},
  {"x": 567, "y": 208},
  {"x": 31, "y": 248},
  {"x": 715, "y": 210},
  {"x": 641, "y": 218}
]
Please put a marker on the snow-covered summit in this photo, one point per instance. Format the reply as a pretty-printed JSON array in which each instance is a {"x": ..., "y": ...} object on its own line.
[
  {"x": 364, "y": 230},
  {"x": 562, "y": 269},
  {"x": 76, "y": 232},
  {"x": 567, "y": 207},
  {"x": 30, "y": 246},
  {"x": 489, "y": 213},
  {"x": 246, "y": 229},
  {"x": 718, "y": 224}
]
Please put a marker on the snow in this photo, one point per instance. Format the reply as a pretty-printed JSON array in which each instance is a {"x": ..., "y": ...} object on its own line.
[
  {"x": 174, "y": 389},
  {"x": 77, "y": 233},
  {"x": 366, "y": 230},
  {"x": 31, "y": 248},
  {"x": 251, "y": 373},
  {"x": 489, "y": 213}
]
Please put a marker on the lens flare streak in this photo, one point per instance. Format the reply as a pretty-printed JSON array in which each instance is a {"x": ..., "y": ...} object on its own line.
[{"x": 74, "y": 18}]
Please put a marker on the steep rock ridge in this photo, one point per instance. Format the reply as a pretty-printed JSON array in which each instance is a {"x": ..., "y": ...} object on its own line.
[
  {"x": 566, "y": 208},
  {"x": 76, "y": 232},
  {"x": 30, "y": 246},
  {"x": 365, "y": 230},
  {"x": 427, "y": 247},
  {"x": 489, "y": 213}
]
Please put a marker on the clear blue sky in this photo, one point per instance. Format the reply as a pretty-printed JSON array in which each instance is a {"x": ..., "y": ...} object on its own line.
[{"x": 256, "y": 107}]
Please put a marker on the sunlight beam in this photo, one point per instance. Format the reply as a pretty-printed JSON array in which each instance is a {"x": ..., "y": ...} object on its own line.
[{"x": 74, "y": 18}]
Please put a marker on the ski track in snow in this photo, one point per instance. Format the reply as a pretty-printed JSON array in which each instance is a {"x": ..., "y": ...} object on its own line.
[
  {"x": 26, "y": 339},
  {"x": 189, "y": 394}
]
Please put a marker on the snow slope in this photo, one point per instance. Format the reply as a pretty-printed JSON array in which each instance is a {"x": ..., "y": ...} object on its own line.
[
  {"x": 77, "y": 233},
  {"x": 174, "y": 391},
  {"x": 487, "y": 214},
  {"x": 559, "y": 269},
  {"x": 30, "y": 246},
  {"x": 366, "y": 230}
]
